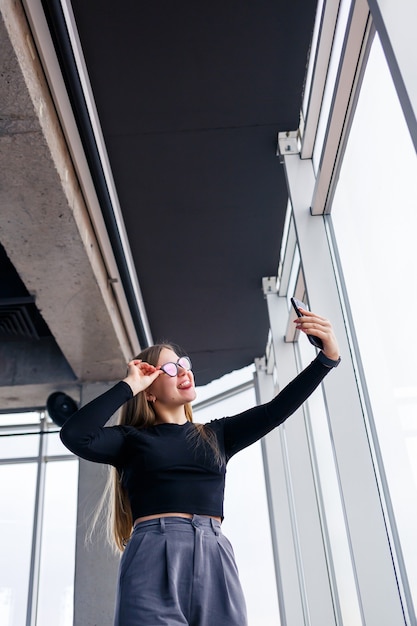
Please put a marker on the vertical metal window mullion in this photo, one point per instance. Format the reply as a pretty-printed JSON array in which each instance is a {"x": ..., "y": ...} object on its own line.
[
  {"x": 33, "y": 587},
  {"x": 294, "y": 527},
  {"x": 323, "y": 519}
]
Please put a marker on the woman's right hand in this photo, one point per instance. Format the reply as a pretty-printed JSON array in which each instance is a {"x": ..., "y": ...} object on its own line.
[{"x": 140, "y": 375}]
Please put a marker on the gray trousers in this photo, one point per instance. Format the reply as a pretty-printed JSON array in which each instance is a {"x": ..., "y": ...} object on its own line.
[{"x": 177, "y": 571}]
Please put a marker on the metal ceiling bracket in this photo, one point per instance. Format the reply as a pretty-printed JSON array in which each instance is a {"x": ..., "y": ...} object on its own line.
[
  {"x": 269, "y": 285},
  {"x": 288, "y": 143}
]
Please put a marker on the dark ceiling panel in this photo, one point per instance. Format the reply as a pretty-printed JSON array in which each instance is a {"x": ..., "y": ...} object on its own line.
[{"x": 191, "y": 97}]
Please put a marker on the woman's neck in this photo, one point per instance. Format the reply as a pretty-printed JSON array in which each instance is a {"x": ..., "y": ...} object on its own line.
[{"x": 165, "y": 415}]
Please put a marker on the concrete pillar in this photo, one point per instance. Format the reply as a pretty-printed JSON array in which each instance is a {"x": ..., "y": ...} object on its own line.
[{"x": 95, "y": 564}]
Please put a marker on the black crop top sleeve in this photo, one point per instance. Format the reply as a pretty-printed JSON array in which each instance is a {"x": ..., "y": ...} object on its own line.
[
  {"x": 244, "y": 429},
  {"x": 85, "y": 433}
]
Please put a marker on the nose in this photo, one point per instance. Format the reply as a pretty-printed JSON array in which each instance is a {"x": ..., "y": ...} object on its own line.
[{"x": 181, "y": 370}]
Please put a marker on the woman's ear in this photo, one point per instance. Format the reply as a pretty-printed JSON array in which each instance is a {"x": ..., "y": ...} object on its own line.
[{"x": 150, "y": 397}]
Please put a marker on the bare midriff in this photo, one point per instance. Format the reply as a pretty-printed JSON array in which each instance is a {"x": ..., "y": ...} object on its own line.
[{"x": 158, "y": 515}]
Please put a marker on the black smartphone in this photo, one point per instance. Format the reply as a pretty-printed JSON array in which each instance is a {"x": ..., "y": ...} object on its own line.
[{"x": 297, "y": 304}]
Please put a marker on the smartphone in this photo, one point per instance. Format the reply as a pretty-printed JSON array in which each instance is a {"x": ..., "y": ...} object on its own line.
[{"x": 297, "y": 304}]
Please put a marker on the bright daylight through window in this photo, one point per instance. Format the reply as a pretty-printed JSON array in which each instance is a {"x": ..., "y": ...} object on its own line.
[
  {"x": 38, "y": 495},
  {"x": 375, "y": 221}
]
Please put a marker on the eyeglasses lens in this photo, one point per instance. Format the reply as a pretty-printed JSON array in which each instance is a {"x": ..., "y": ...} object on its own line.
[
  {"x": 185, "y": 363},
  {"x": 172, "y": 368}
]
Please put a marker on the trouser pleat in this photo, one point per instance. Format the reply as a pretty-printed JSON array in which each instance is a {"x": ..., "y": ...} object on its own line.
[{"x": 176, "y": 572}]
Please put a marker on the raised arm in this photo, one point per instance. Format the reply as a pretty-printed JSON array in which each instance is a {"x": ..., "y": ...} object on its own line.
[
  {"x": 244, "y": 429},
  {"x": 85, "y": 434}
]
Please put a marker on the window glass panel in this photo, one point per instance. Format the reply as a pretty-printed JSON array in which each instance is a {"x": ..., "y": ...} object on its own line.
[
  {"x": 54, "y": 445},
  {"x": 17, "y": 497},
  {"x": 331, "y": 80},
  {"x": 245, "y": 493},
  {"x": 313, "y": 52},
  {"x": 18, "y": 446},
  {"x": 375, "y": 222},
  {"x": 295, "y": 268},
  {"x": 340, "y": 565},
  {"x": 58, "y": 544},
  {"x": 31, "y": 417}
]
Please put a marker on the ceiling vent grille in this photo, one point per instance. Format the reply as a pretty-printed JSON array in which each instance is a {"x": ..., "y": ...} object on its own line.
[{"x": 16, "y": 319}]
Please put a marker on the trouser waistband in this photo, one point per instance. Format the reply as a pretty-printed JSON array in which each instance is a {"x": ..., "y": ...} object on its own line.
[{"x": 202, "y": 522}]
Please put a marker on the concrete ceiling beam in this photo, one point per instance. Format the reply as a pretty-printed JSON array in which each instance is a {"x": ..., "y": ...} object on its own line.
[{"x": 45, "y": 226}]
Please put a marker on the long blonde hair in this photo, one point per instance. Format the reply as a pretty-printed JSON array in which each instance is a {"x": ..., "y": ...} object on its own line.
[{"x": 139, "y": 413}]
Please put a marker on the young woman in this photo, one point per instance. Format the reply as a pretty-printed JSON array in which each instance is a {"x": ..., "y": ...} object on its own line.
[{"x": 177, "y": 567}]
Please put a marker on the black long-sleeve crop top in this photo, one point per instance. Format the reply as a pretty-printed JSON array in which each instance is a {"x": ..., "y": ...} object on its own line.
[{"x": 163, "y": 468}]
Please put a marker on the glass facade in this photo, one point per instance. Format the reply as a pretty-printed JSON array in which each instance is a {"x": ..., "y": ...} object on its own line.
[
  {"x": 18, "y": 492},
  {"x": 330, "y": 503},
  {"x": 246, "y": 521},
  {"x": 38, "y": 495},
  {"x": 375, "y": 213},
  {"x": 353, "y": 261}
]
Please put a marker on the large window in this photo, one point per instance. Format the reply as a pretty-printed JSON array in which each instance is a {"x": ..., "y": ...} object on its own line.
[
  {"x": 246, "y": 521},
  {"x": 38, "y": 494},
  {"x": 346, "y": 604},
  {"x": 375, "y": 218}
]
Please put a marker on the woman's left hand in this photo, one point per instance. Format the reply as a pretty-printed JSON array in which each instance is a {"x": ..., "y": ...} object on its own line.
[{"x": 312, "y": 324}]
